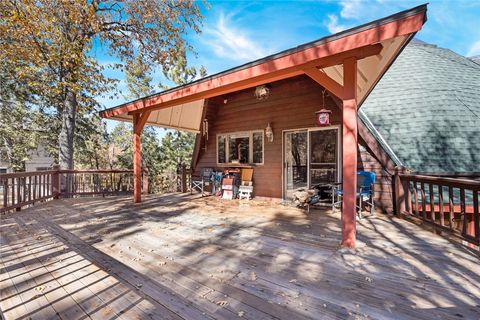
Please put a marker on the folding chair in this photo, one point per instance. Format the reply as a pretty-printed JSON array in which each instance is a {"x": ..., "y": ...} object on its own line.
[
  {"x": 199, "y": 182},
  {"x": 365, "y": 188},
  {"x": 246, "y": 185}
]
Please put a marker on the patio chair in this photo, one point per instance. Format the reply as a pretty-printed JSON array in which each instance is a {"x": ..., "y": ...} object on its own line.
[
  {"x": 365, "y": 188},
  {"x": 246, "y": 185},
  {"x": 199, "y": 182}
]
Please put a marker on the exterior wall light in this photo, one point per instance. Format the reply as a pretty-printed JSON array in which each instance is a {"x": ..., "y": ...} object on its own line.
[
  {"x": 262, "y": 92},
  {"x": 269, "y": 133}
]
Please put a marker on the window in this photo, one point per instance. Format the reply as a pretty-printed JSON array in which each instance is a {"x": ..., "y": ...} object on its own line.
[
  {"x": 3, "y": 170},
  {"x": 240, "y": 147}
]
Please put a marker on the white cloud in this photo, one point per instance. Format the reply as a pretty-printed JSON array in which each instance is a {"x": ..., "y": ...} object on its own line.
[
  {"x": 474, "y": 49},
  {"x": 231, "y": 42},
  {"x": 333, "y": 26},
  {"x": 351, "y": 9}
]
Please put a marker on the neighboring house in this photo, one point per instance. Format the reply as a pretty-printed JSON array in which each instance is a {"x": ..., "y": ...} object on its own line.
[{"x": 39, "y": 159}]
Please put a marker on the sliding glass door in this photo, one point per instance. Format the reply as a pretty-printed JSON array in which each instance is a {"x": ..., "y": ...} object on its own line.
[
  {"x": 311, "y": 157},
  {"x": 295, "y": 161},
  {"x": 323, "y": 160}
]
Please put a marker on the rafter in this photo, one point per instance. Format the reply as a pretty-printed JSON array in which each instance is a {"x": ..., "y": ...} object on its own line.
[{"x": 325, "y": 81}]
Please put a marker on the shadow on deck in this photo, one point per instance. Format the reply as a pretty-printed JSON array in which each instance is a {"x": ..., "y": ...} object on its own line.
[{"x": 178, "y": 256}]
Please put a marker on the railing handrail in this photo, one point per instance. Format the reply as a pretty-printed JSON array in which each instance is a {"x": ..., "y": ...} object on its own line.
[
  {"x": 453, "y": 182},
  {"x": 446, "y": 203},
  {"x": 25, "y": 174},
  {"x": 97, "y": 171},
  {"x": 21, "y": 189},
  {"x": 36, "y": 173}
]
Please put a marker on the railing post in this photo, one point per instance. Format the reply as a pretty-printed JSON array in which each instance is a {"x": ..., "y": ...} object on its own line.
[
  {"x": 56, "y": 182},
  {"x": 145, "y": 181},
  {"x": 400, "y": 191},
  {"x": 184, "y": 178}
]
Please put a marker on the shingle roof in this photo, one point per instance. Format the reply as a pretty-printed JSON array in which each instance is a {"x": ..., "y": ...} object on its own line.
[{"x": 427, "y": 108}]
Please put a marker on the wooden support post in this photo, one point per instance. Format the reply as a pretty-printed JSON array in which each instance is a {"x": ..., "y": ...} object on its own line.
[
  {"x": 56, "y": 182},
  {"x": 349, "y": 143},
  {"x": 139, "y": 120},
  {"x": 400, "y": 191},
  {"x": 137, "y": 159}
]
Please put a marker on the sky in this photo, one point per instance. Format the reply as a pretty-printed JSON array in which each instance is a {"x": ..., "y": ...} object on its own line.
[{"x": 236, "y": 32}]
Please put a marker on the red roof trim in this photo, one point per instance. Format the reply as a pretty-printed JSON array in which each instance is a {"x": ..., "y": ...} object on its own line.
[{"x": 410, "y": 22}]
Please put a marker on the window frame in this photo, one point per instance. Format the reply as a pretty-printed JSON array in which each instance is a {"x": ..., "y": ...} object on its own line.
[{"x": 250, "y": 147}]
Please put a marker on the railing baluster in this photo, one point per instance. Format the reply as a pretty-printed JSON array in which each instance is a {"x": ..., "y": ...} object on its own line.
[
  {"x": 440, "y": 205},
  {"x": 424, "y": 204},
  {"x": 432, "y": 202},
  {"x": 409, "y": 197},
  {"x": 415, "y": 195},
  {"x": 463, "y": 214},
  {"x": 451, "y": 207},
  {"x": 17, "y": 200},
  {"x": 476, "y": 216},
  {"x": 5, "y": 192}
]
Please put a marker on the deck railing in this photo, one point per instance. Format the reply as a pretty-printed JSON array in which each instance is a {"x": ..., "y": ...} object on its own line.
[
  {"x": 23, "y": 189},
  {"x": 446, "y": 203}
]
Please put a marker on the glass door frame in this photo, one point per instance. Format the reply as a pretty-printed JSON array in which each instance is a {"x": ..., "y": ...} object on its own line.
[{"x": 308, "y": 130}]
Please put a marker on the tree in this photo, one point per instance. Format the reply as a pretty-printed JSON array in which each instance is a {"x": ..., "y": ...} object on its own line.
[
  {"x": 177, "y": 149},
  {"x": 18, "y": 132},
  {"x": 52, "y": 40},
  {"x": 180, "y": 73}
]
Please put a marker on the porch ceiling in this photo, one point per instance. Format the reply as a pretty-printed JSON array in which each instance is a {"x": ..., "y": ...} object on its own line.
[
  {"x": 375, "y": 46},
  {"x": 186, "y": 116},
  {"x": 371, "y": 68}
]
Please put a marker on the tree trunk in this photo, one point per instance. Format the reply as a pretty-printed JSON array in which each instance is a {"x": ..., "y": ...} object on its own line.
[{"x": 65, "y": 139}]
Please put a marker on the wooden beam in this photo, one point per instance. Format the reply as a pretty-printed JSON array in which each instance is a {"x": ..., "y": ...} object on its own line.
[
  {"x": 371, "y": 143},
  {"x": 152, "y": 104},
  {"x": 141, "y": 120},
  {"x": 375, "y": 149},
  {"x": 325, "y": 81},
  {"x": 349, "y": 153}
]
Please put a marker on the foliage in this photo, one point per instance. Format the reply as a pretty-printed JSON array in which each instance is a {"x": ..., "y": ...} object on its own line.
[
  {"x": 49, "y": 41},
  {"x": 18, "y": 132},
  {"x": 180, "y": 73},
  {"x": 138, "y": 79}
]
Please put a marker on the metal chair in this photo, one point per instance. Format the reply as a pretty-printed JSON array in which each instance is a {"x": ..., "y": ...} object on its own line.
[
  {"x": 365, "y": 188},
  {"x": 199, "y": 182}
]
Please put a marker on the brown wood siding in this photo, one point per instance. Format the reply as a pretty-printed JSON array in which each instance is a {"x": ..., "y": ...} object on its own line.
[
  {"x": 383, "y": 184},
  {"x": 292, "y": 105}
]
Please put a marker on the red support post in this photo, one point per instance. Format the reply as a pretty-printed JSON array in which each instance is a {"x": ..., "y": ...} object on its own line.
[
  {"x": 139, "y": 121},
  {"x": 137, "y": 159},
  {"x": 349, "y": 144},
  {"x": 56, "y": 182}
]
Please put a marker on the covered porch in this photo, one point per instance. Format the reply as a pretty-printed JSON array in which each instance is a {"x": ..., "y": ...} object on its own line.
[
  {"x": 347, "y": 65},
  {"x": 184, "y": 257}
]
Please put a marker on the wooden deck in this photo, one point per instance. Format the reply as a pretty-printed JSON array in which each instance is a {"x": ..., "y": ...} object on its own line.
[{"x": 178, "y": 256}]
